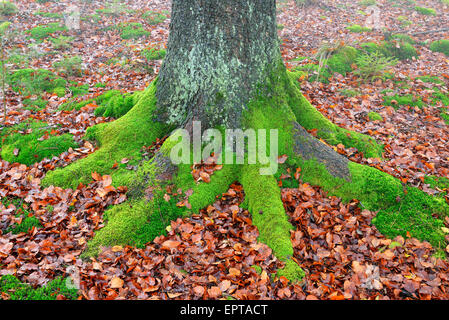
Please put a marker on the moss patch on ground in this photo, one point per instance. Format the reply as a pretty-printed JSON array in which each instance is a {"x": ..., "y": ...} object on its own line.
[
  {"x": 358, "y": 28},
  {"x": 440, "y": 46},
  {"x": 34, "y": 81},
  {"x": 44, "y": 31},
  {"x": 437, "y": 182},
  {"x": 16, "y": 290},
  {"x": 29, "y": 143},
  {"x": 399, "y": 47},
  {"x": 28, "y": 220},
  {"x": 397, "y": 101},
  {"x": 374, "y": 116}
]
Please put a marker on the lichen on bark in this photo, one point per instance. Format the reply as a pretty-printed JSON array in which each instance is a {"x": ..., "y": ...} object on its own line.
[{"x": 217, "y": 52}]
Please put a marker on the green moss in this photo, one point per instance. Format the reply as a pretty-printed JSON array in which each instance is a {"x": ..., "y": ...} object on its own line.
[
  {"x": 28, "y": 220},
  {"x": 114, "y": 104},
  {"x": 401, "y": 49},
  {"x": 342, "y": 61},
  {"x": 27, "y": 148},
  {"x": 153, "y": 18},
  {"x": 60, "y": 92},
  {"x": 404, "y": 21},
  {"x": 367, "y": 3},
  {"x": 350, "y": 93},
  {"x": 430, "y": 79},
  {"x": 205, "y": 193},
  {"x": 8, "y": 8},
  {"x": 403, "y": 38},
  {"x": 358, "y": 28},
  {"x": 120, "y": 139},
  {"x": 292, "y": 271},
  {"x": 403, "y": 100},
  {"x": 34, "y": 81},
  {"x": 132, "y": 31},
  {"x": 414, "y": 215},
  {"x": 51, "y": 15},
  {"x": 139, "y": 221},
  {"x": 42, "y": 32},
  {"x": 153, "y": 54},
  {"x": 34, "y": 104},
  {"x": 16, "y": 290},
  {"x": 437, "y": 182},
  {"x": 135, "y": 222},
  {"x": 374, "y": 116},
  {"x": 402, "y": 209},
  {"x": 267, "y": 212},
  {"x": 440, "y": 46},
  {"x": 426, "y": 11}
]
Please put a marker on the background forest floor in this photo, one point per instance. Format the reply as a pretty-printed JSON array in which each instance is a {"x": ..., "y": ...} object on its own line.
[{"x": 215, "y": 254}]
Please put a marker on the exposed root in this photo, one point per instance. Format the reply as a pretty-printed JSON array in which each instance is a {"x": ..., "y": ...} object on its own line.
[{"x": 277, "y": 105}]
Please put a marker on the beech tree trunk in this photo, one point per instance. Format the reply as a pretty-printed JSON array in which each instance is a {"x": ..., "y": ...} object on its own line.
[{"x": 218, "y": 51}]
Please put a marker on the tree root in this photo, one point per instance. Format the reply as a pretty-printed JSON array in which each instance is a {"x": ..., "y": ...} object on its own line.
[
  {"x": 120, "y": 139},
  {"x": 278, "y": 105}
]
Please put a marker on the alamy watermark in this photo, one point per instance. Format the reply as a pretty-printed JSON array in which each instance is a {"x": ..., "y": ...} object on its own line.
[{"x": 230, "y": 146}]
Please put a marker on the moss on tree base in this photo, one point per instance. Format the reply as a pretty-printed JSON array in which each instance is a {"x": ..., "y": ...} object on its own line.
[
  {"x": 277, "y": 104},
  {"x": 118, "y": 140}
]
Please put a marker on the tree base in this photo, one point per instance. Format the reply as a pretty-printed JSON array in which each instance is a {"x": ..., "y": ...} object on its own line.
[{"x": 278, "y": 104}]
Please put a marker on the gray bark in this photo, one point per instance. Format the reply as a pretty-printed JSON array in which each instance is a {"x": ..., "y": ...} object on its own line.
[{"x": 218, "y": 51}]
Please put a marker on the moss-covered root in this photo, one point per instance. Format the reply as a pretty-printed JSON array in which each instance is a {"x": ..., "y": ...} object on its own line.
[
  {"x": 139, "y": 220},
  {"x": 120, "y": 139},
  {"x": 402, "y": 210},
  {"x": 263, "y": 198},
  {"x": 310, "y": 118}
]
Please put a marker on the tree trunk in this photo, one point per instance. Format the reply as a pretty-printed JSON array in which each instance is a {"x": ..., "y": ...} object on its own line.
[{"x": 218, "y": 51}]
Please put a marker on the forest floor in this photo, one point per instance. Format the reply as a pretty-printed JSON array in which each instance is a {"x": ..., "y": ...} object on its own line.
[{"x": 212, "y": 254}]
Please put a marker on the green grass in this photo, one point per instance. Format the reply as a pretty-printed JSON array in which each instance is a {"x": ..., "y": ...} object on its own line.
[
  {"x": 16, "y": 290},
  {"x": 445, "y": 116},
  {"x": 430, "y": 79},
  {"x": 19, "y": 146}
]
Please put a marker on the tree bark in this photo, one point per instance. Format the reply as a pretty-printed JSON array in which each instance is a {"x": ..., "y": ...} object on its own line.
[{"x": 218, "y": 51}]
